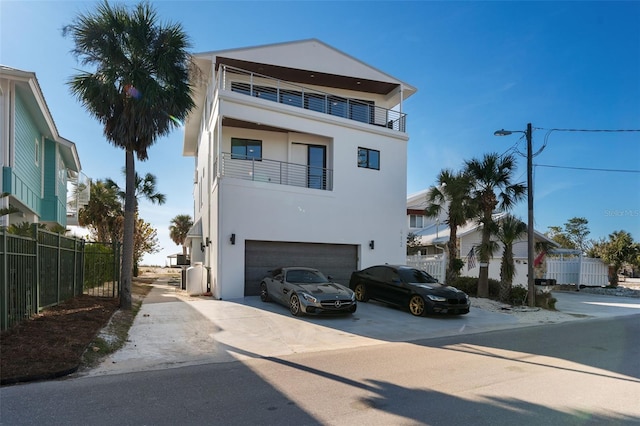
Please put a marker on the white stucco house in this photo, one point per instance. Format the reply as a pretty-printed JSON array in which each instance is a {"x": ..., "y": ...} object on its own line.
[
  {"x": 300, "y": 159},
  {"x": 433, "y": 234}
]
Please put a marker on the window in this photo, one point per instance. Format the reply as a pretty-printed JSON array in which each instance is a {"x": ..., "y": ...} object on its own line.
[
  {"x": 416, "y": 221},
  {"x": 246, "y": 149},
  {"x": 315, "y": 102},
  {"x": 369, "y": 158},
  {"x": 243, "y": 88},
  {"x": 361, "y": 111},
  {"x": 291, "y": 97},
  {"x": 37, "y": 151}
]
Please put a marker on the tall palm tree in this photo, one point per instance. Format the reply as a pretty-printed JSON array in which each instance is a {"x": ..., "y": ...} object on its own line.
[
  {"x": 180, "y": 225},
  {"x": 137, "y": 87},
  {"x": 493, "y": 190},
  {"x": 510, "y": 229},
  {"x": 452, "y": 193}
]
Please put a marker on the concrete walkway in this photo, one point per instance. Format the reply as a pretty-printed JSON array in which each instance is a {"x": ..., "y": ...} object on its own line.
[{"x": 173, "y": 329}]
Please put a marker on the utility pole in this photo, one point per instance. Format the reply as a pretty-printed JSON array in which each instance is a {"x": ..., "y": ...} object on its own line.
[{"x": 530, "y": 233}]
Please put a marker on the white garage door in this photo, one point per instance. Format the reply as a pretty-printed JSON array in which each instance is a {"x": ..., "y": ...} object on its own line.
[{"x": 337, "y": 260}]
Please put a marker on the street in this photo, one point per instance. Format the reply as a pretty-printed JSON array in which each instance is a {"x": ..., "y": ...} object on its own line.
[{"x": 583, "y": 372}]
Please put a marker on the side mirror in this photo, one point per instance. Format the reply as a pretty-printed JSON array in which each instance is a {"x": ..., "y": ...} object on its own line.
[{"x": 329, "y": 277}]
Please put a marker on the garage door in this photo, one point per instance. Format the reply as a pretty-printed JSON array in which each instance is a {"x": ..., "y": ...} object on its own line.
[{"x": 337, "y": 260}]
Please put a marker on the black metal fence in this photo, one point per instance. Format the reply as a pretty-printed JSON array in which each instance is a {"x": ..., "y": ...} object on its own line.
[{"x": 48, "y": 268}]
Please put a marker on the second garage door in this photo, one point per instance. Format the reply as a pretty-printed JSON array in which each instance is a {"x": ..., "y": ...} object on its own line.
[{"x": 337, "y": 260}]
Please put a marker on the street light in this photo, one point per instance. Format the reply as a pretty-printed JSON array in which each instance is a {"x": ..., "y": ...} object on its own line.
[{"x": 530, "y": 235}]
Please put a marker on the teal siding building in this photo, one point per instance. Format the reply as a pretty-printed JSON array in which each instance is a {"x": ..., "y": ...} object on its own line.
[{"x": 37, "y": 163}]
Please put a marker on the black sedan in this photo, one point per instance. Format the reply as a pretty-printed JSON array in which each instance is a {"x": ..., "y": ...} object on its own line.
[
  {"x": 408, "y": 287},
  {"x": 307, "y": 291}
]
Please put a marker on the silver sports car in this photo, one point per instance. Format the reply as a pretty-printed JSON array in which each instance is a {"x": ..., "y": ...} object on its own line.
[{"x": 307, "y": 291}]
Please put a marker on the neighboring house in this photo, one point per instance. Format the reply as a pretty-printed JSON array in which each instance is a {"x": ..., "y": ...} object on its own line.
[
  {"x": 300, "y": 160},
  {"x": 38, "y": 165},
  {"x": 433, "y": 234}
]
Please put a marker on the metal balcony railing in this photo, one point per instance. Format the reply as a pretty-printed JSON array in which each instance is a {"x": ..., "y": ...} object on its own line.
[
  {"x": 272, "y": 171},
  {"x": 264, "y": 87}
]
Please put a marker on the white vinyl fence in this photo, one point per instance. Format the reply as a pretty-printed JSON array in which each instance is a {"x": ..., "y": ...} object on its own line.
[
  {"x": 576, "y": 270},
  {"x": 435, "y": 265}
]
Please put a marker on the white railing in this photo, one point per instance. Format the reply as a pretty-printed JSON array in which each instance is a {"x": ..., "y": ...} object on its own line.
[
  {"x": 78, "y": 194},
  {"x": 435, "y": 265},
  {"x": 278, "y": 172},
  {"x": 271, "y": 89}
]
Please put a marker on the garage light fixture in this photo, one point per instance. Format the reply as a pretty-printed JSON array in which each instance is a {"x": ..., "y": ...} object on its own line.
[
  {"x": 372, "y": 244},
  {"x": 233, "y": 239}
]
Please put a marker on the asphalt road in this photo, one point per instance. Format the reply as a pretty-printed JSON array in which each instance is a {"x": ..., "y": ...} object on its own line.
[{"x": 583, "y": 372}]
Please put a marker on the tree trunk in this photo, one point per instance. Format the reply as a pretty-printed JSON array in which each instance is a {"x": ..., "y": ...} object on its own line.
[
  {"x": 506, "y": 275},
  {"x": 483, "y": 278},
  {"x": 452, "y": 255},
  {"x": 127, "y": 238}
]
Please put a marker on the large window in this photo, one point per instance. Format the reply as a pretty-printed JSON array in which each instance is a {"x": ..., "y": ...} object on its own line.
[
  {"x": 416, "y": 221},
  {"x": 369, "y": 158},
  {"x": 246, "y": 149}
]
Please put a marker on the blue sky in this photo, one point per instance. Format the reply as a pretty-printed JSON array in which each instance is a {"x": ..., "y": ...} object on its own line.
[{"x": 478, "y": 67}]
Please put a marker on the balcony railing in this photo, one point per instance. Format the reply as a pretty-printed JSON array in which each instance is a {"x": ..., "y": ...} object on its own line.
[
  {"x": 278, "y": 172},
  {"x": 264, "y": 87}
]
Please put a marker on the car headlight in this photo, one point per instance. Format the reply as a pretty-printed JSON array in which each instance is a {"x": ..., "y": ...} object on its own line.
[
  {"x": 309, "y": 298},
  {"x": 436, "y": 298}
]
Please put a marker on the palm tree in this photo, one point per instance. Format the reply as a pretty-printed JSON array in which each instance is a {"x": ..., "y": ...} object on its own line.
[
  {"x": 138, "y": 88},
  {"x": 493, "y": 189},
  {"x": 144, "y": 187},
  {"x": 102, "y": 211},
  {"x": 510, "y": 229},
  {"x": 180, "y": 225},
  {"x": 453, "y": 194}
]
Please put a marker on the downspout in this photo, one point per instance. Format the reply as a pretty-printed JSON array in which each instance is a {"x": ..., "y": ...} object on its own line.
[{"x": 218, "y": 155}]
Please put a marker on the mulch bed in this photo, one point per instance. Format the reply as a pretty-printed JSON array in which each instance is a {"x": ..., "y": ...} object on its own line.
[{"x": 51, "y": 344}]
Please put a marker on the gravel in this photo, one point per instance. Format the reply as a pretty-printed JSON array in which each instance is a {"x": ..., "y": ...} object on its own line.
[{"x": 527, "y": 315}]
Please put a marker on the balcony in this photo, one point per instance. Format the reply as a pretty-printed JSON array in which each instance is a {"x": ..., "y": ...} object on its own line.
[
  {"x": 78, "y": 194},
  {"x": 268, "y": 88},
  {"x": 277, "y": 172}
]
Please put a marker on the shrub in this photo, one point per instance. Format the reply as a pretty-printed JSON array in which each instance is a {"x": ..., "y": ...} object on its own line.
[
  {"x": 518, "y": 295},
  {"x": 98, "y": 261},
  {"x": 470, "y": 286}
]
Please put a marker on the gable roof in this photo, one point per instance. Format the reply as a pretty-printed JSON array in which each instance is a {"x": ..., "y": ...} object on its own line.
[
  {"x": 438, "y": 233},
  {"x": 310, "y": 55},
  {"x": 26, "y": 84},
  {"x": 303, "y": 62}
]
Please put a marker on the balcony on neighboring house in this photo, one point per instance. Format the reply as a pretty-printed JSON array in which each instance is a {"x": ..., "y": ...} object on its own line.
[
  {"x": 268, "y": 88},
  {"x": 78, "y": 190},
  {"x": 272, "y": 171}
]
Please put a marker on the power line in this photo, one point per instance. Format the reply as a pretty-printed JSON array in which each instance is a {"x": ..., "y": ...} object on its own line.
[
  {"x": 589, "y": 130},
  {"x": 549, "y": 131},
  {"x": 588, "y": 168}
]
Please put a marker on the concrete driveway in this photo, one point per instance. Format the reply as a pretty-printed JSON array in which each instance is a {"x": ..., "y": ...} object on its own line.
[{"x": 173, "y": 329}]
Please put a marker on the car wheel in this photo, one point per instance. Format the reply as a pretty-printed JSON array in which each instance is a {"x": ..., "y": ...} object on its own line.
[
  {"x": 416, "y": 305},
  {"x": 264, "y": 293},
  {"x": 294, "y": 305},
  {"x": 361, "y": 292}
]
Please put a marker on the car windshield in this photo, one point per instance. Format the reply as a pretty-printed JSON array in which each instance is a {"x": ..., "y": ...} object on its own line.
[
  {"x": 305, "y": 276},
  {"x": 415, "y": 276}
]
